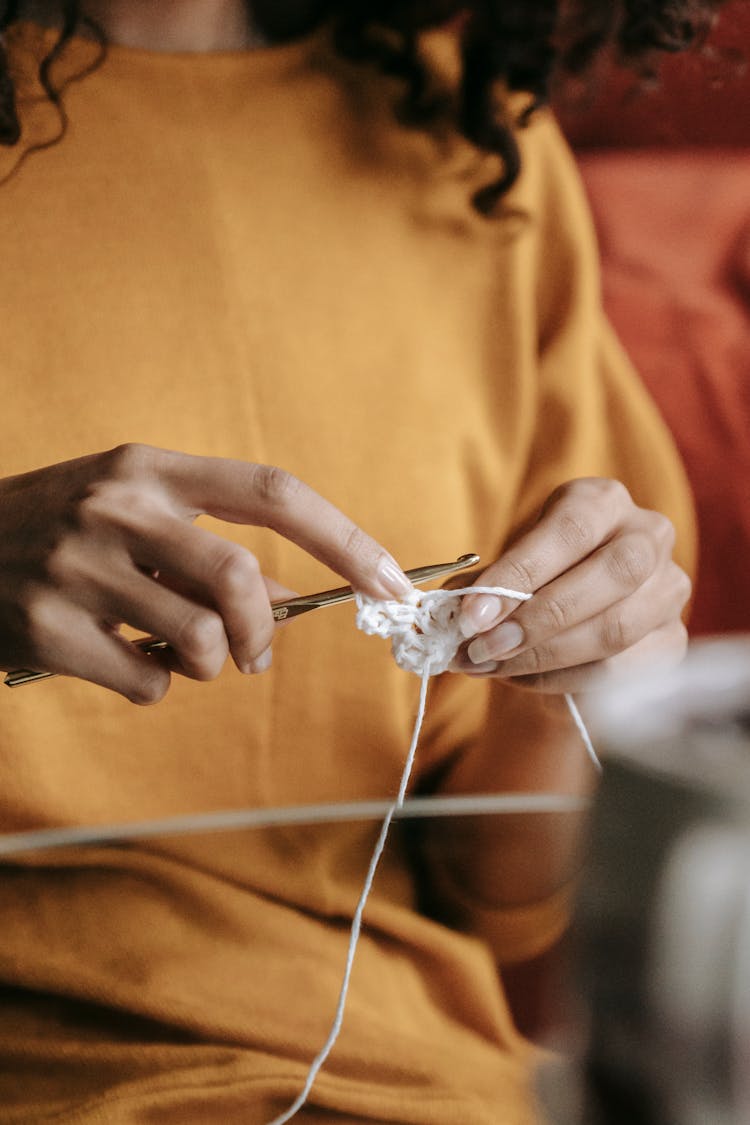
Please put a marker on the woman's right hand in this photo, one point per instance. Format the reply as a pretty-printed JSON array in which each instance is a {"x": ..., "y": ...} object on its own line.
[{"x": 109, "y": 539}]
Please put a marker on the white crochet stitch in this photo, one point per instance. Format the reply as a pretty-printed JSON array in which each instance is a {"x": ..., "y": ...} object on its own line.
[
  {"x": 424, "y": 631},
  {"x": 423, "y": 627}
]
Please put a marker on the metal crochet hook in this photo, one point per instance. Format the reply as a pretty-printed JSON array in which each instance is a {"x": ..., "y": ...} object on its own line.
[{"x": 282, "y": 611}]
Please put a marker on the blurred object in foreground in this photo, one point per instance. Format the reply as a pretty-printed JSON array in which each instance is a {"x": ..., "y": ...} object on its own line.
[{"x": 662, "y": 932}]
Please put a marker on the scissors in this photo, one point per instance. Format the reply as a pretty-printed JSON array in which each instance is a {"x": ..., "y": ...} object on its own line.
[{"x": 282, "y": 611}]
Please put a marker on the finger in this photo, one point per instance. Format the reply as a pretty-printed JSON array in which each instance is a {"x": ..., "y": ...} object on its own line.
[
  {"x": 214, "y": 573},
  {"x": 276, "y": 592},
  {"x": 267, "y": 496},
  {"x": 601, "y": 585},
  {"x": 579, "y": 518},
  {"x": 619, "y": 628},
  {"x": 70, "y": 642},
  {"x": 194, "y": 632},
  {"x": 663, "y": 647}
]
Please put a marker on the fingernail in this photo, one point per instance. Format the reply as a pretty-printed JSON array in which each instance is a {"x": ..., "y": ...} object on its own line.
[
  {"x": 505, "y": 638},
  {"x": 393, "y": 579},
  {"x": 481, "y": 669},
  {"x": 479, "y": 614},
  {"x": 261, "y": 663}
]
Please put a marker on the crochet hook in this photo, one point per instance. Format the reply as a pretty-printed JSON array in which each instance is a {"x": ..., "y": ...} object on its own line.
[{"x": 282, "y": 611}]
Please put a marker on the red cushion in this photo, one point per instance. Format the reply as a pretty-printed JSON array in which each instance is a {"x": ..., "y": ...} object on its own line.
[{"x": 675, "y": 236}]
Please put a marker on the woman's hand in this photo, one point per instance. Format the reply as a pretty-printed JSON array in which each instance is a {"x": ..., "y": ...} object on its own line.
[
  {"x": 109, "y": 539},
  {"x": 606, "y": 594}
]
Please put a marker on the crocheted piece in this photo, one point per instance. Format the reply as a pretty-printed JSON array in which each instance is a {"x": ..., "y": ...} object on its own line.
[{"x": 423, "y": 628}]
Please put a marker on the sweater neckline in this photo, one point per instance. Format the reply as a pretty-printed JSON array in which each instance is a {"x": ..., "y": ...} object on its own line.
[{"x": 262, "y": 57}]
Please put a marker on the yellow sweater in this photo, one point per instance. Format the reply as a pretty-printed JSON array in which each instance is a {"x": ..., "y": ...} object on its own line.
[{"x": 241, "y": 255}]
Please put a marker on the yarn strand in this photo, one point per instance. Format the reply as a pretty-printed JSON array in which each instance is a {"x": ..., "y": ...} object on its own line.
[
  {"x": 583, "y": 731},
  {"x": 356, "y": 926}
]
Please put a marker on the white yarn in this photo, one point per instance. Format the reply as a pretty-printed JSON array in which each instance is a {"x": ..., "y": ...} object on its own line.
[
  {"x": 338, "y": 1019},
  {"x": 425, "y": 636},
  {"x": 423, "y": 627},
  {"x": 582, "y": 730}
]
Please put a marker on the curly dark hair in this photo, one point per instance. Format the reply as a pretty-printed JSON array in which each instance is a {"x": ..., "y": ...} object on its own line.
[{"x": 513, "y": 45}]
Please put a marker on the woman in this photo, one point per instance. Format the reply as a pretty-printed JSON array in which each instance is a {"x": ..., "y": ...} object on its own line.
[{"x": 304, "y": 236}]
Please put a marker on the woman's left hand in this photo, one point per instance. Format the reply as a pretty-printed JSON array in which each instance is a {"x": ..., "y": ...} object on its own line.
[{"x": 606, "y": 594}]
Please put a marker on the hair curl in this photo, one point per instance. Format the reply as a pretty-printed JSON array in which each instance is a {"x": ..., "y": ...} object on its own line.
[{"x": 514, "y": 45}]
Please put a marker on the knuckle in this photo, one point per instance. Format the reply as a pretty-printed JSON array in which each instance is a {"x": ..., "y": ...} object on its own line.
[
  {"x": 596, "y": 494},
  {"x": 236, "y": 573},
  {"x": 201, "y": 644},
  {"x": 356, "y": 543},
  {"x": 595, "y": 490},
  {"x": 131, "y": 459},
  {"x": 133, "y": 504},
  {"x": 559, "y": 613},
  {"x": 59, "y": 563},
  {"x": 631, "y": 560},
  {"x": 579, "y": 486},
  {"x": 94, "y": 506},
  {"x": 663, "y": 530},
  {"x": 617, "y": 633},
  {"x": 607, "y": 492},
  {"x": 97, "y": 505},
  {"x": 111, "y": 504},
  {"x": 613, "y": 492},
  {"x": 275, "y": 487},
  {"x": 574, "y": 529},
  {"x": 521, "y": 574}
]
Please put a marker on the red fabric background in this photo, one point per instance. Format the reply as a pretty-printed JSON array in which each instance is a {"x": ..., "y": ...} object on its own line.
[
  {"x": 668, "y": 175},
  {"x": 702, "y": 97},
  {"x": 675, "y": 234}
]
